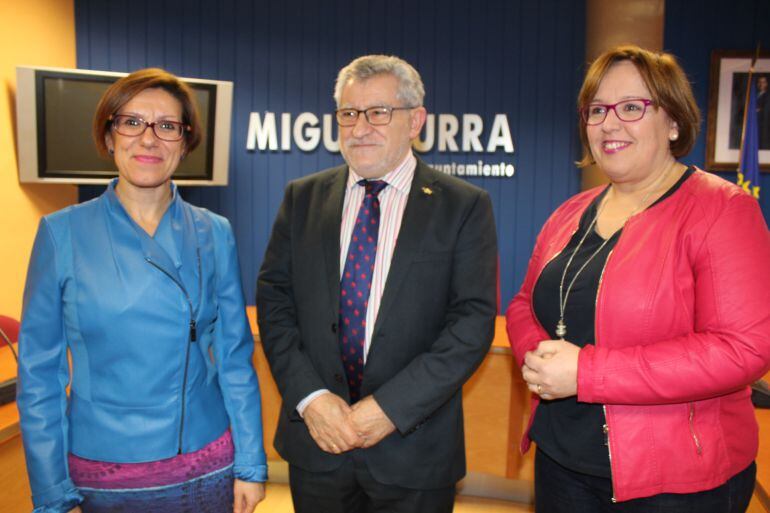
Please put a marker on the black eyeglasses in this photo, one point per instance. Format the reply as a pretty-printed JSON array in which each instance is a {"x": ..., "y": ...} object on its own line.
[
  {"x": 627, "y": 110},
  {"x": 134, "y": 126},
  {"x": 376, "y": 116}
]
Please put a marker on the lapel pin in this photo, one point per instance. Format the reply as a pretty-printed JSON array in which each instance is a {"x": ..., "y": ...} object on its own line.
[{"x": 427, "y": 191}]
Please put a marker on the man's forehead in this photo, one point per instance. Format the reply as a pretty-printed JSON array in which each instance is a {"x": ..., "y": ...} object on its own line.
[{"x": 380, "y": 89}]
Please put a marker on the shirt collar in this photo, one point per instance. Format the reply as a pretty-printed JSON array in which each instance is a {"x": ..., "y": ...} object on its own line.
[{"x": 400, "y": 178}]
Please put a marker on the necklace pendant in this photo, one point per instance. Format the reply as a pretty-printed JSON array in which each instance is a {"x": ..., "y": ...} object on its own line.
[{"x": 561, "y": 329}]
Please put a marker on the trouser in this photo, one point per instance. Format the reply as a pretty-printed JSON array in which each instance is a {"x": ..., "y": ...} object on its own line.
[
  {"x": 560, "y": 490},
  {"x": 351, "y": 488}
]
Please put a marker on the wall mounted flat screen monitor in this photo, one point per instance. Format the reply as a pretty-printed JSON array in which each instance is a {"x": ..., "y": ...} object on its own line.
[{"x": 55, "y": 109}]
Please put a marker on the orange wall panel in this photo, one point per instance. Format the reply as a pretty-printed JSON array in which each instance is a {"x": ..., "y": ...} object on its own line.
[{"x": 35, "y": 33}]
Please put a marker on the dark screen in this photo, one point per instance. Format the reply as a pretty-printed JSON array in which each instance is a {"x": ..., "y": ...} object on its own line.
[{"x": 66, "y": 107}]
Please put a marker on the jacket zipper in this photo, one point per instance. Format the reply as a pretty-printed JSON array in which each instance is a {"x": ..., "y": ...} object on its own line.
[
  {"x": 606, "y": 426},
  {"x": 193, "y": 336},
  {"x": 698, "y": 447}
]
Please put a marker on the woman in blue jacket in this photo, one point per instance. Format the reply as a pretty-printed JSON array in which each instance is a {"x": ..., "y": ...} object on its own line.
[{"x": 144, "y": 291}]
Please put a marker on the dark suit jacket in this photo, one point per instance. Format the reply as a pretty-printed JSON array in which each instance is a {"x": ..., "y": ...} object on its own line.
[{"x": 434, "y": 327}]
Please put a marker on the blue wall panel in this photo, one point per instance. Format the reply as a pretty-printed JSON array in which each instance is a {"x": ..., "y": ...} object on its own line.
[
  {"x": 692, "y": 34},
  {"x": 517, "y": 57}
]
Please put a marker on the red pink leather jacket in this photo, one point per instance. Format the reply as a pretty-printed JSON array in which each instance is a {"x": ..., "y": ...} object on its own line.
[{"x": 682, "y": 327}]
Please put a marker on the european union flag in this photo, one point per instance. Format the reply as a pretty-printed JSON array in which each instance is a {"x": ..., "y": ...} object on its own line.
[{"x": 748, "y": 169}]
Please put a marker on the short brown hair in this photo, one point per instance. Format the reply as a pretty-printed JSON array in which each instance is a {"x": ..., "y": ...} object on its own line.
[
  {"x": 668, "y": 85},
  {"x": 122, "y": 91}
]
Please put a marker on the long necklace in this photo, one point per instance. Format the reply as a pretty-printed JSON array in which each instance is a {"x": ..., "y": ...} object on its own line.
[{"x": 561, "y": 326}]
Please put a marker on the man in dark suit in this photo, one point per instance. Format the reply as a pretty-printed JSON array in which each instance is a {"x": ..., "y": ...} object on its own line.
[{"x": 376, "y": 302}]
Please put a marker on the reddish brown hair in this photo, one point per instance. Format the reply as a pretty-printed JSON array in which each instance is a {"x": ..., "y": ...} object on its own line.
[
  {"x": 668, "y": 86},
  {"x": 122, "y": 91}
]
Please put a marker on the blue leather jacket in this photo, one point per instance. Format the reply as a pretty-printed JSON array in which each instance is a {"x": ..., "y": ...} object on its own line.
[{"x": 159, "y": 340}]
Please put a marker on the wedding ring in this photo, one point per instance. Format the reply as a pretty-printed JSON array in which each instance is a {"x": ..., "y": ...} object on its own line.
[{"x": 539, "y": 390}]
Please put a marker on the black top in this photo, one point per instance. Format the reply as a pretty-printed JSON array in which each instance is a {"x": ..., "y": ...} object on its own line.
[{"x": 569, "y": 431}]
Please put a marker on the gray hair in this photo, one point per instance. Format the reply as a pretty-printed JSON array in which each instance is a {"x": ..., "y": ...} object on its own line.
[{"x": 410, "y": 88}]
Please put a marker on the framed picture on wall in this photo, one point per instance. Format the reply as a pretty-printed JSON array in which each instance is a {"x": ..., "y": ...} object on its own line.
[{"x": 727, "y": 100}]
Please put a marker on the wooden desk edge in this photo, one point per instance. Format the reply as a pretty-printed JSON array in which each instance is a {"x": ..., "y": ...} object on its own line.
[
  {"x": 760, "y": 492},
  {"x": 9, "y": 416},
  {"x": 9, "y": 431}
]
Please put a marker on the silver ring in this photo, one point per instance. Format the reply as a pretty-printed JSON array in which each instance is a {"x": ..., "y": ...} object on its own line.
[{"x": 539, "y": 390}]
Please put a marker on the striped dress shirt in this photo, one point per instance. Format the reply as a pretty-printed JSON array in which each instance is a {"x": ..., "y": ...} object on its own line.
[
  {"x": 392, "y": 205},
  {"x": 393, "y": 200}
]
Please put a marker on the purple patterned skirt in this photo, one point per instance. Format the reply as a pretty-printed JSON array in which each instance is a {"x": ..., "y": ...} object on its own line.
[{"x": 201, "y": 481}]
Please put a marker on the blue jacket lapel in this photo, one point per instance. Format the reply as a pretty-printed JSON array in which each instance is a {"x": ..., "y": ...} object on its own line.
[{"x": 151, "y": 250}]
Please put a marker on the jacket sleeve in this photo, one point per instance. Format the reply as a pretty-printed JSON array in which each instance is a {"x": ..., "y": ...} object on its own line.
[
  {"x": 729, "y": 346},
  {"x": 524, "y": 332},
  {"x": 233, "y": 351},
  {"x": 43, "y": 376},
  {"x": 278, "y": 325},
  {"x": 433, "y": 377}
]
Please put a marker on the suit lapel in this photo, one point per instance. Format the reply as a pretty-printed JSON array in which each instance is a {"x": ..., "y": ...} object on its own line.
[
  {"x": 331, "y": 217},
  {"x": 417, "y": 217}
]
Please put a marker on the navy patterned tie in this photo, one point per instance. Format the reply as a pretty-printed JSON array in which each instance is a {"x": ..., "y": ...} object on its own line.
[{"x": 356, "y": 283}]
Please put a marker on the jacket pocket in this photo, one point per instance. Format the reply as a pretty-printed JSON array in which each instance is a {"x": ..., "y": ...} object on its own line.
[{"x": 694, "y": 432}]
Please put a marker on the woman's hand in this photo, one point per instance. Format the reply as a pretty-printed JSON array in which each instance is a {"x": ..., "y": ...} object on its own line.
[
  {"x": 247, "y": 496},
  {"x": 551, "y": 370}
]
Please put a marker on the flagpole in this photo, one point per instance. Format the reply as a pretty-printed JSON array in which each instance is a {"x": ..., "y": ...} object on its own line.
[{"x": 746, "y": 108}]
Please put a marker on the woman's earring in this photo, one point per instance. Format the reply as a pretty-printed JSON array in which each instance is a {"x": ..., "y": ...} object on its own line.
[
  {"x": 673, "y": 137},
  {"x": 111, "y": 151}
]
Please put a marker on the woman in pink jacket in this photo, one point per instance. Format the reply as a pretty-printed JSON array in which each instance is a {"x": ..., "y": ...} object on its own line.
[{"x": 645, "y": 312}]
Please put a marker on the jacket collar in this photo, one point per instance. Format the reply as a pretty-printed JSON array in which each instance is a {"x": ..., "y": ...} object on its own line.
[
  {"x": 418, "y": 216},
  {"x": 331, "y": 217},
  {"x": 176, "y": 233}
]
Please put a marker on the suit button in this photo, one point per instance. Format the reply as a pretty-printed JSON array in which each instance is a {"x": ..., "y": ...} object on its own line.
[
  {"x": 334, "y": 327},
  {"x": 338, "y": 378}
]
